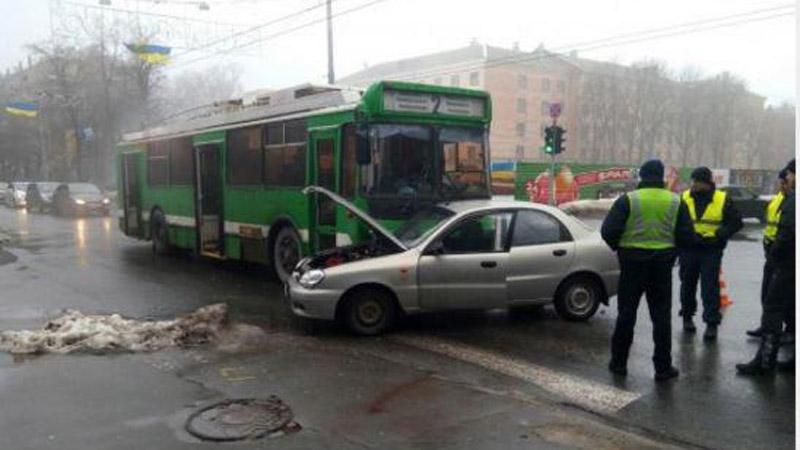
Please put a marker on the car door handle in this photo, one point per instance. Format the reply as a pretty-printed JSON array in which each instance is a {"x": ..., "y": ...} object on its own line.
[
  {"x": 488, "y": 264},
  {"x": 559, "y": 252}
]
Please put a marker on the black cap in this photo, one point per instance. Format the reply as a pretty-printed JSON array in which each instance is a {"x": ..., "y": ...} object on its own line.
[
  {"x": 790, "y": 167},
  {"x": 782, "y": 174},
  {"x": 703, "y": 175},
  {"x": 652, "y": 170}
]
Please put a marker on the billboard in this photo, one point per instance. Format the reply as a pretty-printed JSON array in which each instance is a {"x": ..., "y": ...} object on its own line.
[{"x": 576, "y": 181}]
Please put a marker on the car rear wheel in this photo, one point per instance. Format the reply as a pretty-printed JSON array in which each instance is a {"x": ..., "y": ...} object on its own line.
[
  {"x": 578, "y": 298},
  {"x": 369, "y": 311}
]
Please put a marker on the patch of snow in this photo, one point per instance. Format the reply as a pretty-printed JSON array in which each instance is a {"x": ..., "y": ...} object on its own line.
[{"x": 75, "y": 332}]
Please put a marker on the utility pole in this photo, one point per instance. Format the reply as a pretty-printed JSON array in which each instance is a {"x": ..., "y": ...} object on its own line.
[{"x": 331, "y": 77}]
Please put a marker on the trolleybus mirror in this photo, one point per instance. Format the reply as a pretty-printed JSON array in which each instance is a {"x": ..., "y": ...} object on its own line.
[{"x": 362, "y": 146}]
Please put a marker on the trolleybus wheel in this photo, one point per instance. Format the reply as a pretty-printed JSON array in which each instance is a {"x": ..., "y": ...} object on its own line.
[
  {"x": 287, "y": 249},
  {"x": 159, "y": 234}
]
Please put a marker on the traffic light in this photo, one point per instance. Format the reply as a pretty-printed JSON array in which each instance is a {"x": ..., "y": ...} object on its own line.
[
  {"x": 559, "y": 139},
  {"x": 549, "y": 140}
]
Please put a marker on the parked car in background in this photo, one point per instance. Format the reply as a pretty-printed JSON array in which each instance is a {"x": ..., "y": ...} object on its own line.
[
  {"x": 471, "y": 254},
  {"x": 748, "y": 202},
  {"x": 15, "y": 194},
  {"x": 39, "y": 195},
  {"x": 80, "y": 199}
]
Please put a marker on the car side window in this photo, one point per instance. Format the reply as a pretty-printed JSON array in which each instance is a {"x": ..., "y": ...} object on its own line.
[
  {"x": 538, "y": 228},
  {"x": 485, "y": 233}
]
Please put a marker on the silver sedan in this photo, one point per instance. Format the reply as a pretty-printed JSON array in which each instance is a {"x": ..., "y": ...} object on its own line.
[{"x": 477, "y": 254}]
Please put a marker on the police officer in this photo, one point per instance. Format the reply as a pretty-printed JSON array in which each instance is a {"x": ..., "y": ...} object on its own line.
[
  {"x": 644, "y": 227},
  {"x": 715, "y": 220},
  {"x": 781, "y": 292},
  {"x": 773, "y": 215}
]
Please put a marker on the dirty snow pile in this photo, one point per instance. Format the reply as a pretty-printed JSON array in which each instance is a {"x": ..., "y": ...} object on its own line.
[
  {"x": 76, "y": 332},
  {"x": 588, "y": 207}
]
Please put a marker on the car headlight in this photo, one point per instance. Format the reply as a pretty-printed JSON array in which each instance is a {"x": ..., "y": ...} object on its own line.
[
  {"x": 80, "y": 202},
  {"x": 311, "y": 278},
  {"x": 105, "y": 201}
]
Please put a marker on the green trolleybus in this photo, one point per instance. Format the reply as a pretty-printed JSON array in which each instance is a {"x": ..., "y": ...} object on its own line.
[{"x": 226, "y": 183}]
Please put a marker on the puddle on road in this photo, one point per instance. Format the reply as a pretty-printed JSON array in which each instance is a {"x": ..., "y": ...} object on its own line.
[
  {"x": 7, "y": 257},
  {"x": 75, "y": 332},
  {"x": 593, "y": 437}
]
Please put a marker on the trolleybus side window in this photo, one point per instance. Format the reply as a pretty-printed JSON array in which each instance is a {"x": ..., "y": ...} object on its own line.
[
  {"x": 158, "y": 163},
  {"x": 285, "y": 154},
  {"x": 181, "y": 163},
  {"x": 245, "y": 158}
]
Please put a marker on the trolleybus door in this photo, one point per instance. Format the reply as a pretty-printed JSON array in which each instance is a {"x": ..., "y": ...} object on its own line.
[
  {"x": 132, "y": 208},
  {"x": 323, "y": 231},
  {"x": 208, "y": 191}
]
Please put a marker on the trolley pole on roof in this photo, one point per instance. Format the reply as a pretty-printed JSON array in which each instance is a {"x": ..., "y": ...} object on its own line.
[{"x": 331, "y": 77}]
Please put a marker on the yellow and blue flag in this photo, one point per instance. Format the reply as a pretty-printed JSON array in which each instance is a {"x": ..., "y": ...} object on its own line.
[
  {"x": 22, "y": 109},
  {"x": 151, "y": 53}
]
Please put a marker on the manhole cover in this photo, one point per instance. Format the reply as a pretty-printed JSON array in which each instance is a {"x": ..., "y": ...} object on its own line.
[{"x": 240, "y": 419}]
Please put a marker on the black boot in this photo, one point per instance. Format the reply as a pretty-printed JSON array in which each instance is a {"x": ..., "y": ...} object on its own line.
[
  {"x": 667, "y": 374},
  {"x": 758, "y": 332},
  {"x": 688, "y": 325},
  {"x": 786, "y": 366},
  {"x": 711, "y": 332},
  {"x": 764, "y": 361}
]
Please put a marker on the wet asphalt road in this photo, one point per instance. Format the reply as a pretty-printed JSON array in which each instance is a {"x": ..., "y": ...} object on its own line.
[{"x": 50, "y": 264}]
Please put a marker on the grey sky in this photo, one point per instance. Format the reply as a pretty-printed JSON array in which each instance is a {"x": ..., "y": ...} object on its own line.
[{"x": 763, "y": 53}]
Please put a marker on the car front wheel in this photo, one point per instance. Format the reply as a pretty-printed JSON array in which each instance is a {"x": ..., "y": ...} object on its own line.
[
  {"x": 578, "y": 298},
  {"x": 369, "y": 311}
]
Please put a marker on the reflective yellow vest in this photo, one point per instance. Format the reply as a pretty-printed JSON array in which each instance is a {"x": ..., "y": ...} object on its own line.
[
  {"x": 707, "y": 225},
  {"x": 773, "y": 217},
  {"x": 651, "y": 221}
]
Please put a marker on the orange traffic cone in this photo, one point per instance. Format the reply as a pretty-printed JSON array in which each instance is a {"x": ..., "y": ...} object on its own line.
[{"x": 724, "y": 298}]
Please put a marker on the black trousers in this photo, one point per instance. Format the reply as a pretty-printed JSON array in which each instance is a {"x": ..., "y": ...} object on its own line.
[
  {"x": 769, "y": 272},
  {"x": 654, "y": 279},
  {"x": 702, "y": 265},
  {"x": 779, "y": 304}
]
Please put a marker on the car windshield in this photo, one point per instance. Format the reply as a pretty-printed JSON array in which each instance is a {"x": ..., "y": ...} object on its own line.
[
  {"x": 83, "y": 188},
  {"x": 421, "y": 225}
]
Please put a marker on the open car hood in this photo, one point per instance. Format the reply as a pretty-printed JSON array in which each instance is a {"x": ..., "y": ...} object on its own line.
[{"x": 377, "y": 227}]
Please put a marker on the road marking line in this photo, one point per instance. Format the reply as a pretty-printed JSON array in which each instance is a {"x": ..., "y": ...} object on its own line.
[{"x": 587, "y": 393}]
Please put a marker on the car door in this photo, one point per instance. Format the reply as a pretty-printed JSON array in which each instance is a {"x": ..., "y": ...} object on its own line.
[
  {"x": 542, "y": 251},
  {"x": 465, "y": 266}
]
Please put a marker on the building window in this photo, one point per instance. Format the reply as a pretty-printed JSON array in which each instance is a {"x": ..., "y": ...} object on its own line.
[
  {"x": 285, "y": 153},
  {"x": 474, "y": 79},
  {"x": 522, "y": 105},
  {"x": 521, "y": 129},
  {"x": 158, "y": 163},
  {"x": 181, "y": 161},
  {"x": 245, "y": 156},
  {"x": 522, "y": 81},
  {"x": 454, "y": 80},
  {"x": 545, "y": 84},
  {"x": 561, "y": 86},
  {"x": 545, "y": 107}
]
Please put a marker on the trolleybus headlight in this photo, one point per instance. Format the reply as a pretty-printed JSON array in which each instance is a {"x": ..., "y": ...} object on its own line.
[
  {"x": 80, "y": 202},
  {"x": 311, "y": 278}
]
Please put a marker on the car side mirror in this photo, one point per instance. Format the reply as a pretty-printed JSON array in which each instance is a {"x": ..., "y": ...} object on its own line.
[{"x": 435, "y": 248}]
